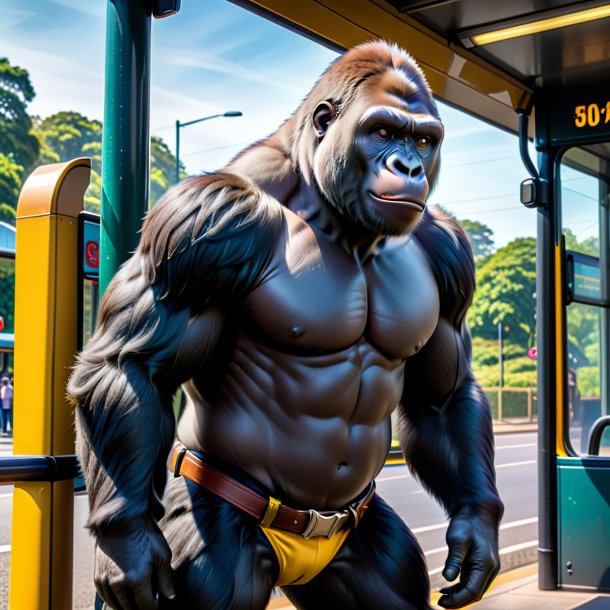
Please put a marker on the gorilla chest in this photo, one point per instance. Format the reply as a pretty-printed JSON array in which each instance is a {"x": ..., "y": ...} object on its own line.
[{"x": 318, "y": 300}]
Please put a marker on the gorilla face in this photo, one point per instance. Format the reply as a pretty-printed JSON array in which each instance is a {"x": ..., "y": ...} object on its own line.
[
  {"x": 399, "y": 151},
  {"x": 383, "y": 182}
]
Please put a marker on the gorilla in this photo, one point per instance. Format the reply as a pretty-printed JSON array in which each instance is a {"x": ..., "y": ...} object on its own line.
[{"x": 299, "y": 296}]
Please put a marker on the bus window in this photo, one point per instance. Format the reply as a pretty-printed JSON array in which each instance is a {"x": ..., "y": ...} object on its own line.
[
  {"x": 579, "y": 204},
  {"x": 7, "y": 301},
  {"x": 584, "y": 372},
  {"x": 583, "y": 189}
]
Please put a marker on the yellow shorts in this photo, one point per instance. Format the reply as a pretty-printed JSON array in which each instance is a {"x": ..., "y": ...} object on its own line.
[{"x": 301, "y": 559}]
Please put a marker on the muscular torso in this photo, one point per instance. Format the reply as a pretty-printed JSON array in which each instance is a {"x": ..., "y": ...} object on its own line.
[{"x": 305, "y": 381}]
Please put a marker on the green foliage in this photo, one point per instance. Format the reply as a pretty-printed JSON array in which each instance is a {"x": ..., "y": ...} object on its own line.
[
  {"x": 519, "y": 369},
  {"x": 506, "y": 286},
  {"x": 587, "y": 378},
  {"x": 583, "y": 331},
  {"x": 7, "y": 213},
  {"x": 7, "y": 294},
  {"x": 162, "y": 168},
  {"x": 16, "y": 140},
  {"x": 588, "y": 246},
  {"x": 480, "y": 237},
  {"x": 10, "y": 184},
  {"x": 67, "y": 135}
]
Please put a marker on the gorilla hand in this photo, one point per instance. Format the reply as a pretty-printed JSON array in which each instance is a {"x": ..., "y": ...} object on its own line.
[
  {"x": 472, "y": 538},
  {"x": 132, "y": 567}
]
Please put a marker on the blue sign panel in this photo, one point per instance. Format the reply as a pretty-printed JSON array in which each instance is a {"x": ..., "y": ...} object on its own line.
[{"x": 90, "y": 254}]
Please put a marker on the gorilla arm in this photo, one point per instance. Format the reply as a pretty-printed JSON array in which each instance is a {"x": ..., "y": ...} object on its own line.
[
  {"x": 160, "y": 319},
  {"x": 446, "y": 428}
]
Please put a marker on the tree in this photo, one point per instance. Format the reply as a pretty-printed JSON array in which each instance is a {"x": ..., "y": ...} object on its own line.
[
  {"x": 588, "y": 246},
  {"x": 68, "y": 135},
  {"x": 162, "y": 168},
  {"x": 7, "y": 294},
  {"x": 480, "y": 237},
  {"x": 18, "y": 146},
  {"x": 10, "y": 184},
  {"x": 506, "y": 285}
]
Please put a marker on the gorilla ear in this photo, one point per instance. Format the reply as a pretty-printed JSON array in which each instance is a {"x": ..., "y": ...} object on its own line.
[{"x": 322, "y": 116}]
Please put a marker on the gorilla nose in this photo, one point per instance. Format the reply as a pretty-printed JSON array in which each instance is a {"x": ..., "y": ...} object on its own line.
[{"x": 407, "y": 165}]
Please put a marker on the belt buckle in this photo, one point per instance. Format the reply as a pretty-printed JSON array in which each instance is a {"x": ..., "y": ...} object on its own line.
[{"x": 324, "y": 523}]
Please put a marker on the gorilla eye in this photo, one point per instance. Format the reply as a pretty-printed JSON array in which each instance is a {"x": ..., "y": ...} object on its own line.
[
  {"x": 423, "y": 142},
  {"x": 382, "y": 132}
]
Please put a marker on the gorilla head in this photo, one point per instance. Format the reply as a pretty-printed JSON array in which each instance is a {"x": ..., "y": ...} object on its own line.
[{"x": 369, "y": 136}]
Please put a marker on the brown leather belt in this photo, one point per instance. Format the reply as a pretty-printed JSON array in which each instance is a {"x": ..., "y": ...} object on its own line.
[{"x": 269, "y": 511}]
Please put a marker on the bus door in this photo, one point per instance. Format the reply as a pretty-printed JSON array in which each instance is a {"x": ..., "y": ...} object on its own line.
[{"x": 573, "y": 140}]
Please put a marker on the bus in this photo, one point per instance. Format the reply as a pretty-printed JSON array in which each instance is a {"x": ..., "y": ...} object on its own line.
[{"x": 536, "y": 69}]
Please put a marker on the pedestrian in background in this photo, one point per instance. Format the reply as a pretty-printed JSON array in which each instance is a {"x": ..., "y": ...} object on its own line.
[{"x": 6, "y": 406}]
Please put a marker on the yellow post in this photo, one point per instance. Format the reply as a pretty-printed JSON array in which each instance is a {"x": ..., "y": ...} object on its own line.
[{"x": 45, "y": 344}]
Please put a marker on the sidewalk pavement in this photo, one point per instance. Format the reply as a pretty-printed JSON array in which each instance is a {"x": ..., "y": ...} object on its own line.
[
  {"x": 515, "y": 425},
  {"x": 514, "y": 590}
]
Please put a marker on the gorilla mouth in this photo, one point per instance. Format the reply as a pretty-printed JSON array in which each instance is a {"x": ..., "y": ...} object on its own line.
[
  {"x": 401, "y": 213},
  {"x": 398, "y": 200}
]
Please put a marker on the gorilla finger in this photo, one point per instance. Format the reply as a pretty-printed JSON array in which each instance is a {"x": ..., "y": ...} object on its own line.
[
  {"x": 125, "y": 599},
  {"x": 460, "y": 596},
  {"x": 108, "y": 597},
  {"x": 165, "y": 582},
  {"x": 455, "y": 559},
  {"x": 144, "y": 598},
  {"x": 478, "y": 581}
]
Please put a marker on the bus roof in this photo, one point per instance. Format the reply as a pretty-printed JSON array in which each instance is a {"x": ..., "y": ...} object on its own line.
[{"x": 484, "y": 57}]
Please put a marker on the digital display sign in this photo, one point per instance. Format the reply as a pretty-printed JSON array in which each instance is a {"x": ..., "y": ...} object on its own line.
[
  {"x": 584, "y": 278},
  {"x": 581, "y": 119}
]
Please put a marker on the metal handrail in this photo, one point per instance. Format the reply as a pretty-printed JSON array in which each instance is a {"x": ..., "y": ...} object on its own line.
[
  {"x": 38, "y": 468},
  {"x": 595, "y": 434}
]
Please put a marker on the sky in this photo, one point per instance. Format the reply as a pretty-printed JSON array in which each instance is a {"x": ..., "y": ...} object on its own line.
[{"x": 214, "y": 57}]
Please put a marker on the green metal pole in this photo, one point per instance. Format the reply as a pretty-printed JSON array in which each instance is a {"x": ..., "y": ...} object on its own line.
[
  {"x": 548, "y": 240},
  {"x": 125, "y": 143}
]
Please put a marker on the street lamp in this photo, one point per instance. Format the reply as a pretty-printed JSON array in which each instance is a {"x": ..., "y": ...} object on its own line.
[{"x": 205, "y": 118}]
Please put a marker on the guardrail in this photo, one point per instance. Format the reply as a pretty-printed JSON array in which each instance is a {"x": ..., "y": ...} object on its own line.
[{"x": 18, "y": 468}]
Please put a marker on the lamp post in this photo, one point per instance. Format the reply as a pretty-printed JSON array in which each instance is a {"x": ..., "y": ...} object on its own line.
[{"x": 205, "y": 118}]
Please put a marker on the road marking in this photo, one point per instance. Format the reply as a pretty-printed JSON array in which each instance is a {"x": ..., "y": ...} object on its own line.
[
  {"x": 5, "y": 548},
  {"x": 526, "y": 463},
  {"x": 398, "y": 476},
  {"x": 504, "y": 526},
  {"x": 519, "y": 523},
  {"x": 518, "y": 547},
  {"x": 511, "y": 464},
  {"x": 509, "y": 549},
  {"x": 515, "y": 446},
  {"x": 429, "y": 528}
]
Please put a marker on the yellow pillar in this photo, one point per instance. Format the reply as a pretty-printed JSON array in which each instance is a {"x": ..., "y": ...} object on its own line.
[{"x": 45, "y": 344}]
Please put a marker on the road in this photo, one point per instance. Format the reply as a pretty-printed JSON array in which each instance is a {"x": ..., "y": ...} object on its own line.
[{"x": 517, "y": 481}]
